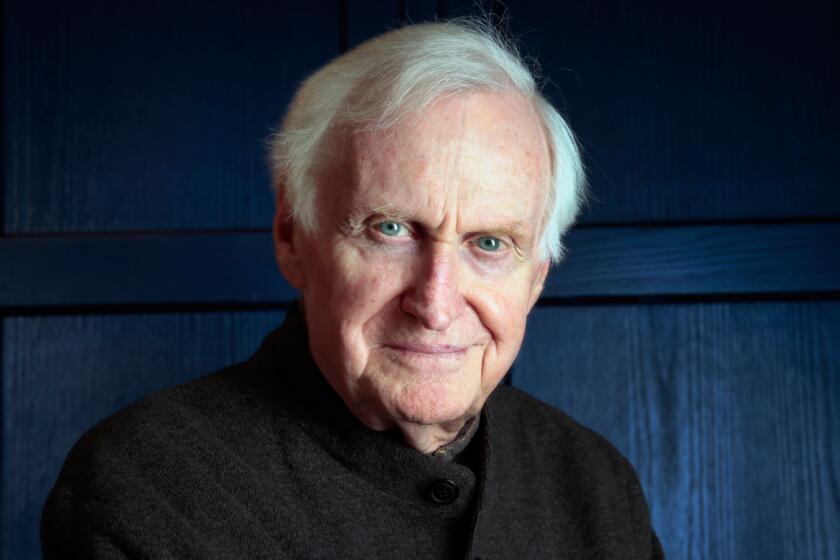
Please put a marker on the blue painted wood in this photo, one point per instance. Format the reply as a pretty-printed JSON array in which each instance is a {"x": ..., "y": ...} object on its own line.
[
  {"x": 694, "y": 111},
  {"x": 141, "y": 269},
  {"x": 239, "y": 268},
  {"x": 699, "y": 260},
  {"x": 368, "y": 18},
  {"x": 125, "y": 120},
  {"x": 150, "y": 116},
  {"x": 63, "y": 374},
  {"x": 416, "y": 11},
  {"x": 470, "y": 8},
  {"x": 728, "y": 412}
]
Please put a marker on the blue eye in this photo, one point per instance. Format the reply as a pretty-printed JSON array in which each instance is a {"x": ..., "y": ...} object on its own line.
[
  {"x": 489, "y": 244},
  {"x": 391, "y": 228}
]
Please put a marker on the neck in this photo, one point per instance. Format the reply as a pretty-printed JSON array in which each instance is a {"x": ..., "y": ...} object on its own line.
[{"x": 429, "y": 438}]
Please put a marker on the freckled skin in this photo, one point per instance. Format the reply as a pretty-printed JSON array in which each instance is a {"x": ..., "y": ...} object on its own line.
[{"x": 412, "y": 322}]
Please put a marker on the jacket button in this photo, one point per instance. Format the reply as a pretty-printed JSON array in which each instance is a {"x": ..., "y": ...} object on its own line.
[{"x": 443, "y": 492}]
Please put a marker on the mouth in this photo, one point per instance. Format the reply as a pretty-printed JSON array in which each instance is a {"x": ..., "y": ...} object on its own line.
[{"x": 442, "y": 350}]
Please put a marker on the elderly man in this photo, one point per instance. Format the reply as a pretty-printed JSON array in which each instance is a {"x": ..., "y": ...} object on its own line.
[{"x": 423, "y": 185}]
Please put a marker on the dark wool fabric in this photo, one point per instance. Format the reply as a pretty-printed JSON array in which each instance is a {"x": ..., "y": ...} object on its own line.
[{"x": 264, "y": 460}]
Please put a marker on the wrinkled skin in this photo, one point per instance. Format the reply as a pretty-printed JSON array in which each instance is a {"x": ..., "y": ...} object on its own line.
[{"x": 423, "y": 266}]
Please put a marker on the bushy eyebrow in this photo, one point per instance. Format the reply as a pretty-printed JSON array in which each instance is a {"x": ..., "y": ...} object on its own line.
[
  {"x": 353, "y": 225},
  {"x": 513, "y": 229},
  {"x": 390, "y": 211}
]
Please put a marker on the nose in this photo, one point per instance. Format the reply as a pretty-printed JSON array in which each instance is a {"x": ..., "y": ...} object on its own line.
[{"x": 434, "y": 297}]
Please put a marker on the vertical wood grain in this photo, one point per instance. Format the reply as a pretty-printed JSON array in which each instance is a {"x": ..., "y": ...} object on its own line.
[
  {"x": 696, "y": 111},
  {"x": 150, "y": 116},
  {"x": 63, "y": 374},
  {"x": 368, "y": 18},
  {"x": 728, "y": 411}
]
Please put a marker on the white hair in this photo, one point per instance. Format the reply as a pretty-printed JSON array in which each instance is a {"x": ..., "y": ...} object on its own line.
[{"x": 385, "y": 78}]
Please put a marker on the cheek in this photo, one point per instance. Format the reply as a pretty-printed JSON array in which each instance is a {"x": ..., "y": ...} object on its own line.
[
  {"x": 502, "y": 308},
  {"x": 357, "y": 287},
  {"x": 348, "y": 302},
  {"x": 370, "y": 281}
]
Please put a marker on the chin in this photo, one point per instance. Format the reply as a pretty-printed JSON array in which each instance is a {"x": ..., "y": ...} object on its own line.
[{"x": 431, "y": 403}]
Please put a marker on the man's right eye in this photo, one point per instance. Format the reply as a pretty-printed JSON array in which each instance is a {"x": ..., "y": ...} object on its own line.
[{"x": 392, "y": 228}]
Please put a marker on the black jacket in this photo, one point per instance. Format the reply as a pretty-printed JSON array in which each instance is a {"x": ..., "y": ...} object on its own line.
[{"x": 264, "y": 460}]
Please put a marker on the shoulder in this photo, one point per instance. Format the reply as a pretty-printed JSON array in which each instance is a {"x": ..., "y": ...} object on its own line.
[
  {"x": 563, "y": 477},
  {"x": 150, "y": 463},
  {"x": 555, "y": 447},
  {"x": 149, "y": 428},
  {"x": 528, "y": 422},
  {"x": 220, "y": 413},
  {"x": 203, "y": 425},
  {"x": 572, "y": 474},
  {"x": 228, "y": 407}
]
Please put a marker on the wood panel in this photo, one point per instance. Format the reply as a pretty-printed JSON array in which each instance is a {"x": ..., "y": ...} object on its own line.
[
  {"x": 699, "y": 260},
  {"x": 696, "y": 111},
  {"x": 142, "y": 269},
  {"x": 721, "y": 111},
  {"x": 150, "y": 115},
  {"x": 368, "y": 18},
  {"x": 63, "y": 374},
  {"x": 239, "y": 268},
  {"x": 728, "y": 411}
]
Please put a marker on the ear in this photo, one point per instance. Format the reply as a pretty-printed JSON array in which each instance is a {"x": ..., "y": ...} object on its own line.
[
  {"x": 287, "y": 251},
  {"x": 539, "y": 283}
]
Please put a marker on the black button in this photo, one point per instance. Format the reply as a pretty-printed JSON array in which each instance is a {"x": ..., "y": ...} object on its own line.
[{"x": 443, "y": 492}]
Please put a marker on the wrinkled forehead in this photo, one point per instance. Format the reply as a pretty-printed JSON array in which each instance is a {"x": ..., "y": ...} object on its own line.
[{"x": 478, "y": 145}]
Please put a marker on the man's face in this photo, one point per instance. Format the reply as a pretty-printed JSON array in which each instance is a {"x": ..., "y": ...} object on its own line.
[{"x": 423, "y": 266}]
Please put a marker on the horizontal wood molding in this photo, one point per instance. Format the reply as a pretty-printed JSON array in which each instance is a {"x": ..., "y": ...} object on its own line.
[
  {"x": 237, "y": 268},
  {"x": 699, "y": 260}
]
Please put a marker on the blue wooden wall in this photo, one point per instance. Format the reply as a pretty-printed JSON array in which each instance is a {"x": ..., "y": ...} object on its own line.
[{"x": 695, "y": 323}]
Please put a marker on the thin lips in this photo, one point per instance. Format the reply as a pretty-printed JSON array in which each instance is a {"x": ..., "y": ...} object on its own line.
[{"x": 428, "y": 348}]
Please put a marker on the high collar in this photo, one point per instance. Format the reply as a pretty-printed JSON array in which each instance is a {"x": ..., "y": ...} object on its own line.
[{"x": 383, "y": 459}]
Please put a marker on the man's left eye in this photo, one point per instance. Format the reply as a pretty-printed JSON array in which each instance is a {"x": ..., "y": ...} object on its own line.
[
  {"x": 392, "y": 228},
  {"x": 490, "y": 244}
]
